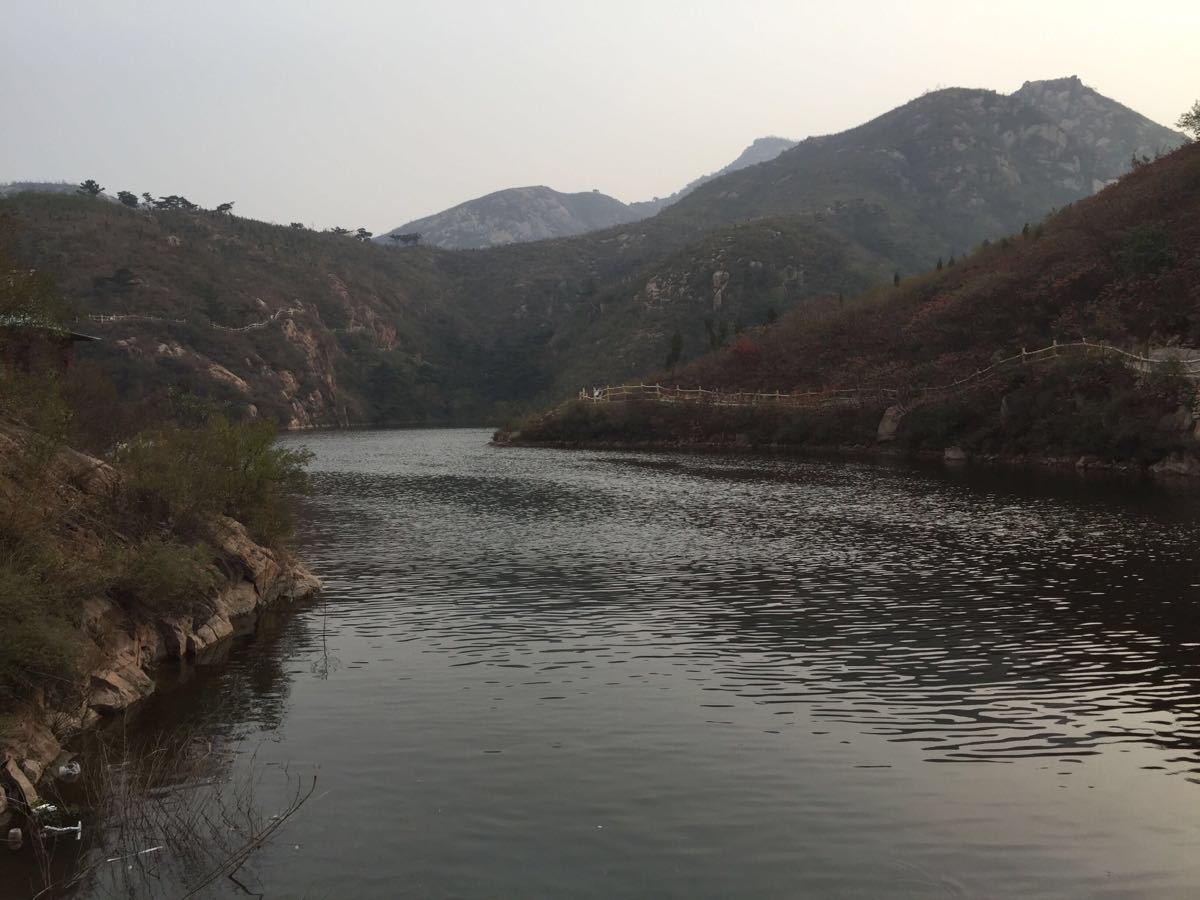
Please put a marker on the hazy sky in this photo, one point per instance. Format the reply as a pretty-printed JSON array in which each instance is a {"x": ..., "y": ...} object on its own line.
[{"x": 362, "y": 113}]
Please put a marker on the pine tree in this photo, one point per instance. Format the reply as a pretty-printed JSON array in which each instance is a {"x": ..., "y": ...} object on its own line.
[{"x": 1190, "y": 120}]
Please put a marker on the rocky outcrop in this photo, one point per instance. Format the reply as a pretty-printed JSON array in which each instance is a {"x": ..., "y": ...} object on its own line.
[
  {"x": 122, "y": 647},
  {"x": 361, "y": 318},
  {"x": 1112, "y": 132},
  {"x": 131, "y": 649}
]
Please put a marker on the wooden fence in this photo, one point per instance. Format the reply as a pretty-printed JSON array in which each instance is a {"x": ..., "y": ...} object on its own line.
[{"x": 1185, "y": 360}]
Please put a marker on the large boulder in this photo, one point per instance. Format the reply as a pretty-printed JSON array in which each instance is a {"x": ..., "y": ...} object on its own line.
[
  {"x": 256, "y": 562},
  {"x": 238, "y": 600}
]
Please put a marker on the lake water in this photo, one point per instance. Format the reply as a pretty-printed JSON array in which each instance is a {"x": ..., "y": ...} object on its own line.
[{"x": 556, "y": 674}]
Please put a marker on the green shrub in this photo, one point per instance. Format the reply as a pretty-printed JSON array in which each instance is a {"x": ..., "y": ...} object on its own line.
[
  {"x": 1144, "y": 250},
  {"x": 41, "y": 593},
  {"x": 1080, "y": 407},
  {"x": 180, "y": 477},
  {"x": 165, "y": 576}
]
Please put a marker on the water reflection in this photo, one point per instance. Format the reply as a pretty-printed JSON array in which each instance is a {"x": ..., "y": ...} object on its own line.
[
  {"x": 539, "y": 673},
  {"x": 978, "y": 624}
]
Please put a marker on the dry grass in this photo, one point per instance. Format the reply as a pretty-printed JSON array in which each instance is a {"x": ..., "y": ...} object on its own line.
[{"x": 170, "y": 817}]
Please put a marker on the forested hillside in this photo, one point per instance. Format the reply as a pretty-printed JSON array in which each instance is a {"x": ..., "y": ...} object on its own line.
[
  {"x": 327, "y": 329},
  {"x": 1121, "y": 268}
]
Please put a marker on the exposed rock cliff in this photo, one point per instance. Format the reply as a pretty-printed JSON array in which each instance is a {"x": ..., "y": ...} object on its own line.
[{"x": 1112, "y": 132}]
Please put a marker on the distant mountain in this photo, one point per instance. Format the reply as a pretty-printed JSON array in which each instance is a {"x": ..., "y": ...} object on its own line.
[
  {"x": 516, "y": 215},
  {"x": 524, "y": 214},
  {"x": 13, "y": 188},
  {"x": 763, "y": 149},
  {"x": 322, "y": 329},
  {"x": 949, "y": 168},
  {"x": 1111, "y": 131}
]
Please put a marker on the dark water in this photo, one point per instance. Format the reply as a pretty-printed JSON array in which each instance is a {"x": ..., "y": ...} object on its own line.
[{"x": 561, "y": 675}]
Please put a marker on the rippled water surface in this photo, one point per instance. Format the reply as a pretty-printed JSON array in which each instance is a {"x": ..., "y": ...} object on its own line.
[{"x": 579, "y": 674}]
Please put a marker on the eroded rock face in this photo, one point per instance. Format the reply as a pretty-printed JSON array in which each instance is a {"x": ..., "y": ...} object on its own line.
[
  {"x": 175, "y": 631},
  {"x": 1111, "y": 131},
  {"x": 126, "y": 643},
  {"x": 114, "y": 690},
  {"x": 18, "y": 784},
  {"x": 239, "y": 600},
  {"x": 131, "y": 649},
  {"x": 362, "y": 318}
]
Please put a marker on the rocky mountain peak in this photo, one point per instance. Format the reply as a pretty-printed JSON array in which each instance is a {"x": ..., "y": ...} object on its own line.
[{"x": 1111, "y": 130}]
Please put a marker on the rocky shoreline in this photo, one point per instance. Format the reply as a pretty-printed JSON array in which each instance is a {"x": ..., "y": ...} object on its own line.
[{"x": 127, "y": 650}]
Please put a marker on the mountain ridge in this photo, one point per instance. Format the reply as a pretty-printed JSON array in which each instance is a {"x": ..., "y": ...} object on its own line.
[
  {"x": 538, "y": 212},
  {"x": 979, "y": 154},
  {"x": 402, "y": 334}
]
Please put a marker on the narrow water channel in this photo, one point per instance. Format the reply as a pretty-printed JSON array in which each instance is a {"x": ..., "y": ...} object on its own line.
[{"x": 591, "y": 675}]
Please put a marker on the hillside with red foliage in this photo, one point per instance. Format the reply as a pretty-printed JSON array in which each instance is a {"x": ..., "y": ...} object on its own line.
[{"x": 1122, "y": 266}]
